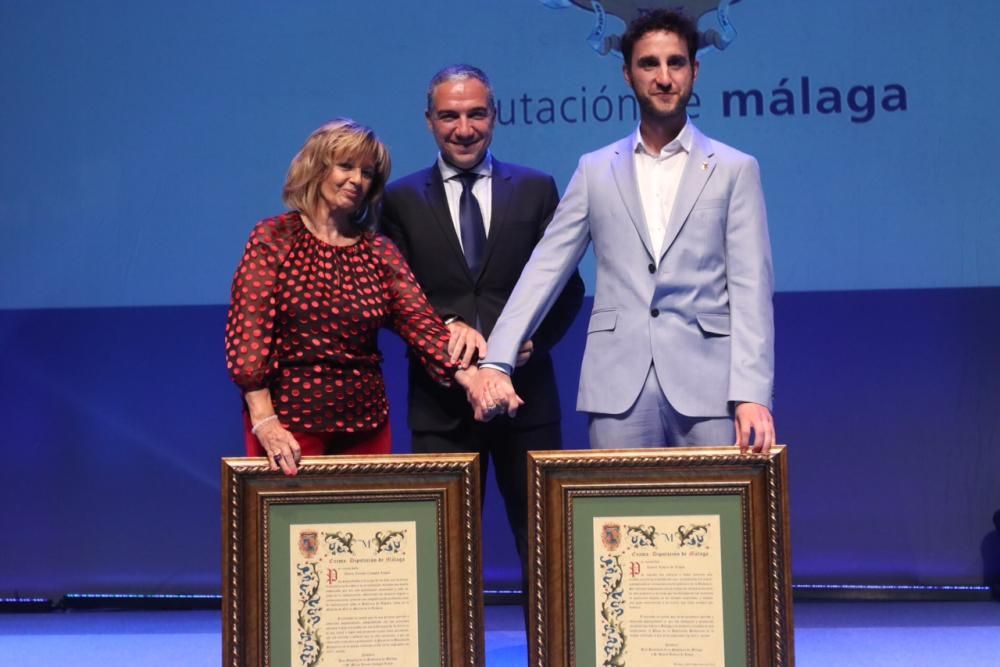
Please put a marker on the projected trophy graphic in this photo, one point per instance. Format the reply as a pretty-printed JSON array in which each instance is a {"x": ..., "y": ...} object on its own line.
[{"x": 605, "y": 42}]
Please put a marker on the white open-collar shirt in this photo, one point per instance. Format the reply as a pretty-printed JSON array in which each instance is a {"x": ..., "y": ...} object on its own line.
[{"x": 659, "y": 176}]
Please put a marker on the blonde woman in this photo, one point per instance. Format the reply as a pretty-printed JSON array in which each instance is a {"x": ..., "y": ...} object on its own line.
[{"x": 313, "y": 288}]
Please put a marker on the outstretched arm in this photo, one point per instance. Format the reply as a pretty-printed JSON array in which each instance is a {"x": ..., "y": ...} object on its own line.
[
  {"x": 567, "y": 305},
  {"x": 552, "y": 262},
  {"x": 414, "y": 319}
]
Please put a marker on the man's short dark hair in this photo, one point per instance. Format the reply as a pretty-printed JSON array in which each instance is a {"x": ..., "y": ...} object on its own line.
[
  {"x": 459, "y": 72},
  {"x": 660, "y": 20}
]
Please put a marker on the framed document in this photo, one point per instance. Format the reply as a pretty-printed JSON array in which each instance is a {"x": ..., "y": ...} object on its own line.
[
  {"x": 362, "y": 561},
  {"x": 673, "y": 557}
]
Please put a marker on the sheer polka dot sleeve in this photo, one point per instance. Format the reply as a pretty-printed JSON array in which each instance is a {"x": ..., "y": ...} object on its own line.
[
  {"x": 412, "y": 316},
  {"x": 250, "y": 324}
]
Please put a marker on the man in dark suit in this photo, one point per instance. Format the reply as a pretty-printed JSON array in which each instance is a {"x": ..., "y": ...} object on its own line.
[{"x": 467, "y": 226}]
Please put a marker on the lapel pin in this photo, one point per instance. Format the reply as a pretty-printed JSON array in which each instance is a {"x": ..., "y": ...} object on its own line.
[{"x": 704, "y": 166}]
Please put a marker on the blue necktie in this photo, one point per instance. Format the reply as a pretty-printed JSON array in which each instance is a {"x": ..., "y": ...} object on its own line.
[{"x": 470, "y": 222}]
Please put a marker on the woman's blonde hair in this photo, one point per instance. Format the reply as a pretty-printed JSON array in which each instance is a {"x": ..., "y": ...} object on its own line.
[{"x": 340, "y": 139}]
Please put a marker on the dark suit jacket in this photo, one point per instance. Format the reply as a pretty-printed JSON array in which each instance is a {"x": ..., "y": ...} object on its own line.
[{"x": 415, "y": 215}]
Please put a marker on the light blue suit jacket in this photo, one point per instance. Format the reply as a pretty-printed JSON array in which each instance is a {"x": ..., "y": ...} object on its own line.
[{"x": 703, "y": 316}]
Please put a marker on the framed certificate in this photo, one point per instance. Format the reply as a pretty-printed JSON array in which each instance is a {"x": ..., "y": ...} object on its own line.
[
  {"x": 659, "y": 558},
  {"x": 371, "y": 561}
]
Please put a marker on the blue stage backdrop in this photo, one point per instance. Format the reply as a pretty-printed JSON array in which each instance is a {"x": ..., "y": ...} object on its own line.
[{"x": 141, "y": 142}]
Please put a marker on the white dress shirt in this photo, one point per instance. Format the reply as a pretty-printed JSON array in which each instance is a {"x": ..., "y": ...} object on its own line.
[
  {"x": 482, "y": 189},
  {"x": 659, "y": 176}
]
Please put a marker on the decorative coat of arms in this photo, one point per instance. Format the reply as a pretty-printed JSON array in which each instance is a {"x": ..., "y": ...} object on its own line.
[
  {"x": 600, "y": 40},
  {"x": 308, "y": 543},
  {"x": 611, "y": 536}
]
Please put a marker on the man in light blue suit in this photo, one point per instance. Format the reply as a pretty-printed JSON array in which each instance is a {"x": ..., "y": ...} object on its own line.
[{"x": 681, "y": 339}]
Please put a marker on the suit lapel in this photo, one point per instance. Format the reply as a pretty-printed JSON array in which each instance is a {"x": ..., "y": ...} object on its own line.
[
  {"x": 698, "y": 169},
  {"x": 623, "y": 168},
  {"x": 501, "y": 196},
  {"x": 437, "y": 202}
]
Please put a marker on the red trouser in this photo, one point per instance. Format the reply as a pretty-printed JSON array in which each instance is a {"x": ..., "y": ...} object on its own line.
[{"x": 321, "y": 444}]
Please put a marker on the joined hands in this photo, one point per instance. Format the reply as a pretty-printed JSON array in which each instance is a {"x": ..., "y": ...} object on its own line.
[{"x": 490, "y": 392}]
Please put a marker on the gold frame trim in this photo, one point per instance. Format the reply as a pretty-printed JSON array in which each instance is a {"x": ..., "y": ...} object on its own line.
[
  {"x": 555, "y": 478},
  {"x": 249, "y": 488}
]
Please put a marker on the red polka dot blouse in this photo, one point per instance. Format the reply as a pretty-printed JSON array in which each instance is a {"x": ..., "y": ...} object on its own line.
[{"x": 304, "y": 320}]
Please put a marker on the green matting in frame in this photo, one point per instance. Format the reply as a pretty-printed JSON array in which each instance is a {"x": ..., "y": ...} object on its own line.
[
  {"x": 283, "y": 515},
  {"x": 658, "y": 557},
  {"x": 727, "y": 508}
]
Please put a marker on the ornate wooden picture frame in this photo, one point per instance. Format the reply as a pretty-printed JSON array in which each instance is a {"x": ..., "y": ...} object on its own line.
[
  {"x": 643, "y": 557},
  {"x": 312, "y": 562}
]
